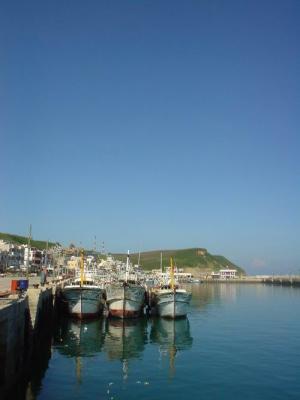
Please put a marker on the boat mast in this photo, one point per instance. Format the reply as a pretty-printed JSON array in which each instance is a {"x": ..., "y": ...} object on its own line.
[
  {"x": 81, "y": 268},
  {"x": 161, "y": 267},
  {"x": 127, "y": 267},
  {"x": 173, "y": 287},
  {"x": 172, "y": 280}
]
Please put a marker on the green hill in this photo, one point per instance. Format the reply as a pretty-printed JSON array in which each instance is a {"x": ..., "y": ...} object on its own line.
[
  {"x": 195, "y": 259},
  {"x": 16, "y": 239}
]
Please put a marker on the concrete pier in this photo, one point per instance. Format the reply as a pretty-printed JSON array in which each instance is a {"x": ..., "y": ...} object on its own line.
[
  {"x": 40, "y": 303},
  {"x": 14, "y": 341},
  {"x": 21, "y": 317}
]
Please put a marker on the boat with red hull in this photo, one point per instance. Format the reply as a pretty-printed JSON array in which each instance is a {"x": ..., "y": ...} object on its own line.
[{"x": 125, "y": 298}]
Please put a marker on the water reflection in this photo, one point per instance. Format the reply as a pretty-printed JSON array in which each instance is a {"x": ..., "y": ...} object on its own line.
[
  {"x": 125, "y": 339},
  {"x": 171, "y": 336},
  {"x": 90, "y": 343},
  {"x": 121, "y": 340},
  {"x": 168, "y": 333},
  {"x": 79, "y": 338},
  {"x": 205, "y": 294}
]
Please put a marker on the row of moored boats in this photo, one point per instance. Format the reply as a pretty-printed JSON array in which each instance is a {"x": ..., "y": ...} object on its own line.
[{"x": 124, "y": 295}]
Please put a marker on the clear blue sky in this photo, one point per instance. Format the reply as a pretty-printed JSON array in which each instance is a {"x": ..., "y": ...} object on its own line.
[{"x": 154, "y": 124}]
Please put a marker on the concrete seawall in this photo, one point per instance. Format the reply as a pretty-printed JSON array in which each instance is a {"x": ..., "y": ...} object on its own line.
[
  {"x": 286, "y": 280},
  {"x": 40, "y": 303},
  {"x": 21, "y": 318},
  {"x": 14, "y": 341}
]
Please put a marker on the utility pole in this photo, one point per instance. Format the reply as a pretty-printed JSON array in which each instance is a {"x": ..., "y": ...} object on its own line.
[
  {"x": 103, "y": 248},
  {"x": 46, "y": 256},
  {"x": 29, "y": 237}
]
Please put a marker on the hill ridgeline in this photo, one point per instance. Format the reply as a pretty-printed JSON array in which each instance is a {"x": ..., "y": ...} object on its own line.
[{"x": 195, "y": 260}]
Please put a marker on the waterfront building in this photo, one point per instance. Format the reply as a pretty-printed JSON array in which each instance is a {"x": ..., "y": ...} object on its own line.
[
  {"x": 33, "y": 257},
  {"x": 73, "y": 263},
  {"x": 224, "y": 274},
  {"x": 11, "y": 256},
  {"x": 3, "y": 260},
  {"x": 179, "y": 276}
]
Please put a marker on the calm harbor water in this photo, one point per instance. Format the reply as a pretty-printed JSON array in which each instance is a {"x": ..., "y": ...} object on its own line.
[{"x": 239, "y": 341}]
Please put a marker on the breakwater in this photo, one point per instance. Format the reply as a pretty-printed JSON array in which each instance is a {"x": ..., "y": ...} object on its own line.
[{"x": 286, "y": 280}]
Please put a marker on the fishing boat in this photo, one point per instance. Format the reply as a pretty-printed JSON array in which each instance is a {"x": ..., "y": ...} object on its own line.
[
  {"x": 169, "y": 300},
  {"x": 125, "y": 298},
  {"x": 83, "y": 297}
]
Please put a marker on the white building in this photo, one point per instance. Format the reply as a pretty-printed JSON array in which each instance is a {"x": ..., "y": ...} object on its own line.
[
  {"x": 4, "y": 246},
  {"x": 224, "y": 274},
  {"x": 228, "y": 273}
]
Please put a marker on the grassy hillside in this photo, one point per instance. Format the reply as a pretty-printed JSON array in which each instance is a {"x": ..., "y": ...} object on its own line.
[
  {"x": 195, "y": 259},
  {"x": 189, "y": 259},
  {"x": 16, "y": 239}
]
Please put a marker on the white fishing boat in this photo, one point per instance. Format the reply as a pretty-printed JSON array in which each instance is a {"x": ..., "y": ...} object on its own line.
[
  {"x": 83, "y": 297},
  {"x": 125, "y": 298},
  {"x": 169, "y": 300}
]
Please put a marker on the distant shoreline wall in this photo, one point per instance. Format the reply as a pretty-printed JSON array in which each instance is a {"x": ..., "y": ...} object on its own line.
[{"x": 276, "y": 280}]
